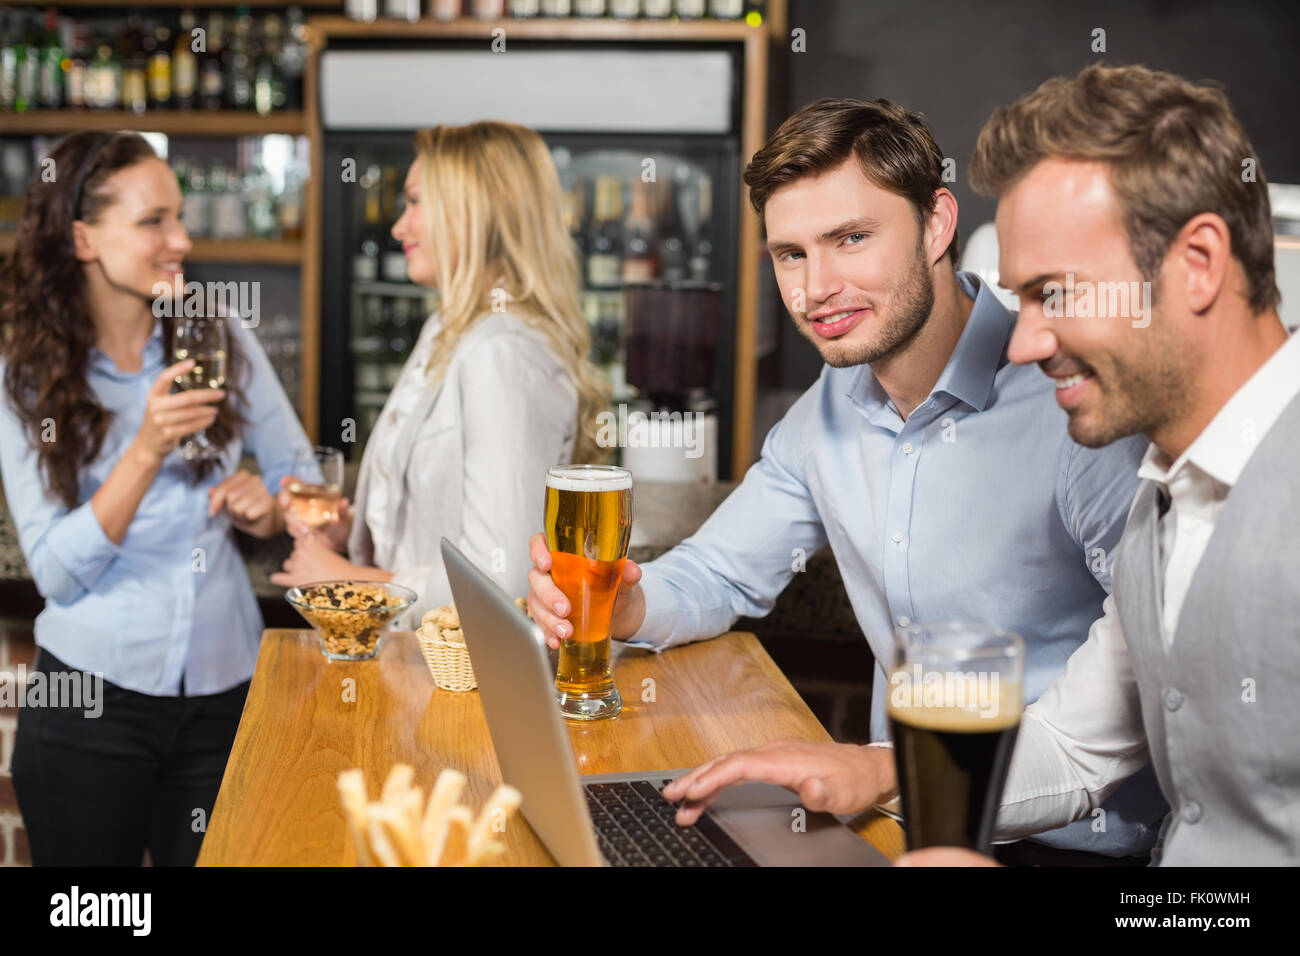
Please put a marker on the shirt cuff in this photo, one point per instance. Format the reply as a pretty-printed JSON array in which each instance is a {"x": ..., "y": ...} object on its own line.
[
  {"x": 655, "y": 633},
  {"x": 882, "y": 743},
  {"x": 78, "y": 543}
]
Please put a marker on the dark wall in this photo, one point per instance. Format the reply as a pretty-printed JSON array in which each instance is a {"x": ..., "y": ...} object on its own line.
[{"x": 955, "y": 60}]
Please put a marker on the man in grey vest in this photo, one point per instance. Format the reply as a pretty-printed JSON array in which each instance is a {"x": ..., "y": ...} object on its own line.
[{"x": 1136, "y": 180}]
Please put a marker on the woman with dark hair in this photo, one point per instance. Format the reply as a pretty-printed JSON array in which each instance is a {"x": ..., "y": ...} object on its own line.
[{"x": 148, "y": 610}]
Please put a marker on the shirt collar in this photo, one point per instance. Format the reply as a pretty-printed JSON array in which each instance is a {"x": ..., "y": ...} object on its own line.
[
  {"x": 969, "y": 374},
  {"x": 151, "y": 359},
  {"x": 1222, "y": 449}
]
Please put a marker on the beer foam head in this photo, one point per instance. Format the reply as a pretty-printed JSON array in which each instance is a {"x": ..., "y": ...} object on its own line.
[
  {"x": 589, "y": 478},
  {"x": 955, "y": 701}
]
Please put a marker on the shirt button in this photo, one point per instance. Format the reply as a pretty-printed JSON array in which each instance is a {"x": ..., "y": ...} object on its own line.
[
  {"x": 1191, "y": 811},
  {"x": 1173, "y": 699},
  {"x": 904, "y": 620},
  {"x": 896, "y": 537},
  {"x": 908, "y": 448}
]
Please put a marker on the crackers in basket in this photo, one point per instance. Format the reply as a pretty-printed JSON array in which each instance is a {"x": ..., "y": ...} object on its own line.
[
  {"x": 443, "y": 623},
  {"x": 401, "y": 829}
]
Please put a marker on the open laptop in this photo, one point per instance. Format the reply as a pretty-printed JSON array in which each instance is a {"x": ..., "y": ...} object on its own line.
[{"x": 615, "y": 819}]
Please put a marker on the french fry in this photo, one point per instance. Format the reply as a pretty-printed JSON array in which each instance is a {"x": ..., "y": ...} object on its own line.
[
  {"x": 504, "y": 801},
  {"x": 352, "y": 793},
  {"x": 446, "y": 794},
  {"x": 398, "y": 783},
  {"x": 398, "y": 834},
  {"x": 453, "y": 848}
]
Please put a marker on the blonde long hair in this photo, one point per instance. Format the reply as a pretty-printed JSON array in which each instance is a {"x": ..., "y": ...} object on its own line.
[{"x": 495, "y": 212}]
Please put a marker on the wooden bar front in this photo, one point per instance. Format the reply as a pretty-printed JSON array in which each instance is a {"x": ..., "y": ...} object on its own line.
[{"x": 307, "y": 719}]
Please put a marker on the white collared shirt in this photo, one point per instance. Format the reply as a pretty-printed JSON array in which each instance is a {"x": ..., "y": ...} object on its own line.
[{"x": 1085, "y": 734}]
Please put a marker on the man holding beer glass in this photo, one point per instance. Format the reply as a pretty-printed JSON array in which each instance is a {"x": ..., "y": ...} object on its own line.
[
  {"x": 1197, "y": 658},
  {"x": 938, "y": 473}
]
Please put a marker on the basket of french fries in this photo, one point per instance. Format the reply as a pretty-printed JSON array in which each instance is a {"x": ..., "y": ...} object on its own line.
[
  {"x": 442, "y": 642},
  {"x": 402, "y": 829}
]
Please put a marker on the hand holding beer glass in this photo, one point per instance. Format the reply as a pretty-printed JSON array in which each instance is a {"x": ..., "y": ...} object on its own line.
[
  {"x": 955, "y": 699},
  {"x": 588, "y": 522}
]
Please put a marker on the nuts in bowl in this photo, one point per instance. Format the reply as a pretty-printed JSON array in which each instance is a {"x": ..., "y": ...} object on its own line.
[{"x": 350, "y": 616}]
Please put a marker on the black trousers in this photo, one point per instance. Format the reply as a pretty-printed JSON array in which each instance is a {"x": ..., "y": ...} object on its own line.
[{"x": 143, "y": 774}]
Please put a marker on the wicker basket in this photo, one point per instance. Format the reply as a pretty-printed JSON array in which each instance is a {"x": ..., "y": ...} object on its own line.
[{"x": 449, "y": 663}]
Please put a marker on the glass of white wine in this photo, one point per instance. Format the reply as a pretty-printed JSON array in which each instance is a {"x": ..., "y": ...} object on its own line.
[
  {"x": 316, "y": 486},
  {"x": 206, "y": 341}
]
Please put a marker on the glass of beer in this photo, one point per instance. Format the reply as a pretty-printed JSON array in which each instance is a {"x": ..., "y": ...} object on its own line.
[
  {"x": 316, "y": 486},
  {"x": 588, "y": 521},
  {"x": 955, "y": 699}
]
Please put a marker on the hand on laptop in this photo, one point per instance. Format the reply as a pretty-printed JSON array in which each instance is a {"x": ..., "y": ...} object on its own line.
[
  {"x": 550, "y": 608},
  {"x": 829, "y": 777}
]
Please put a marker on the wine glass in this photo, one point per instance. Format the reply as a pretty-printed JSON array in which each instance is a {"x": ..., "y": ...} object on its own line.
[
  {"x": 206, "y": 341},
  {"x": 316, "y": 486}
]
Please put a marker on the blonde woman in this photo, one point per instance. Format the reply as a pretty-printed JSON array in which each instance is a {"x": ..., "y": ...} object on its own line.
[{"x": 497, "y": 389}]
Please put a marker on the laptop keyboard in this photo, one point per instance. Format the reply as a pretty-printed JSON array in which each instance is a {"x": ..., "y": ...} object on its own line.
[{"x": 634, "y": 827}]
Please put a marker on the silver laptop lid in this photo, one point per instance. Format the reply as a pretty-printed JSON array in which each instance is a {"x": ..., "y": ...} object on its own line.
[{"x": 517, "y": 687}]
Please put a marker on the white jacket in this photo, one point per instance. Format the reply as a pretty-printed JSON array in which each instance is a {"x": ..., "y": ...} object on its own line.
[{"x": 470, "y": 463}]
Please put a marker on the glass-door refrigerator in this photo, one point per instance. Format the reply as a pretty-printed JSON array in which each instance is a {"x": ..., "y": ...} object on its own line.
[{"x": 646, "y": 145}]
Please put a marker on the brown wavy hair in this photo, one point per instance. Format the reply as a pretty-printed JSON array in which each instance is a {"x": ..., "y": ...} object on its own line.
[
  {"x": 46, "y": 330},
  {"x": 1174, "y": 149}
]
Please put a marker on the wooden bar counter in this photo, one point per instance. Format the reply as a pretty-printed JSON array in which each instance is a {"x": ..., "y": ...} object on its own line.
[{"x": 307, "y": 719}]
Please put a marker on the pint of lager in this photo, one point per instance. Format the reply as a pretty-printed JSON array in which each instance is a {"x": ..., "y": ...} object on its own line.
[
  {"x": 588, "y": 522},
  {"x": 955, "y": 699}
]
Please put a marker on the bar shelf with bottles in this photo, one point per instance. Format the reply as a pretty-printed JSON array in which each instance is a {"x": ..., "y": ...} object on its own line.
[
  {"x": 450, "y": 10},
  {"x": 99, "y": 67}
]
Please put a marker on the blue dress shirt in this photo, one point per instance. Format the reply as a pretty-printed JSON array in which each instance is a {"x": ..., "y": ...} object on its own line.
[
  {"x": 173, "y": 598},
  {"x": 977, "y": 507}
]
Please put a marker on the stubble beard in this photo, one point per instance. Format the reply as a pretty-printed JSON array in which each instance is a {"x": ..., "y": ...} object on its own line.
[{"x": 913, "y": 301}]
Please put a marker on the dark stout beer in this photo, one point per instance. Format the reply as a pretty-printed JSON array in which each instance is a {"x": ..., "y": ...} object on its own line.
[{"x": 952, "y": 763}]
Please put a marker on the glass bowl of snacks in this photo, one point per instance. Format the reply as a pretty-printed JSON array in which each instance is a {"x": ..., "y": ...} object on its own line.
[{"x": 350, "y": 616}]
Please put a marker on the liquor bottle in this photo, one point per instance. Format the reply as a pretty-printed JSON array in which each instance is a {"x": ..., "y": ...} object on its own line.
[
  {"x": 51, "y": 64},
  {"x": 445, "y": 10},
  {"x": 641, "y": 247},
  {"x": 625, "y": 9},
  {"x": 185, "y": 64},
  {"x": 555, "y": 8},
  {"x": 8, "y": 61},
  {"x": 212, "y": 67},
  {"x": 104, "y": 78},
  {"x": 239, "y": 92},
  {"x": 160, "y": 68},
  {"x": 365, "y": 260},
  {"x": 74, "y": 82},
  {"x": 228, "y": 219},
  {"x": 575, "y": 205},
  {"x": 135, "y": 83},
  {"x": 605, "y": 239},
  {"x": 673, "y": 264},
  {"x": 196, "y": 213},
  {"x": 726, "y": 9},
  {"x": 702, "y": 254},
  {"x": 589, "y": 8},
  {"x": 392, "y": 259},
  {"x": 408, "y": 10},
  {"x": 290, "y": 205},
  {"x": 657, "y": 9},
  {"x": 262, "y": 218},
  {"x": 294, "y": 60},
  {"x": 489, "y": 9},
  {"x": 27, "y": 89},
  {"x": 268, "y": 82},
  {"x": 690, "y": 9},
  {"x": 524, "y": 9}
]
